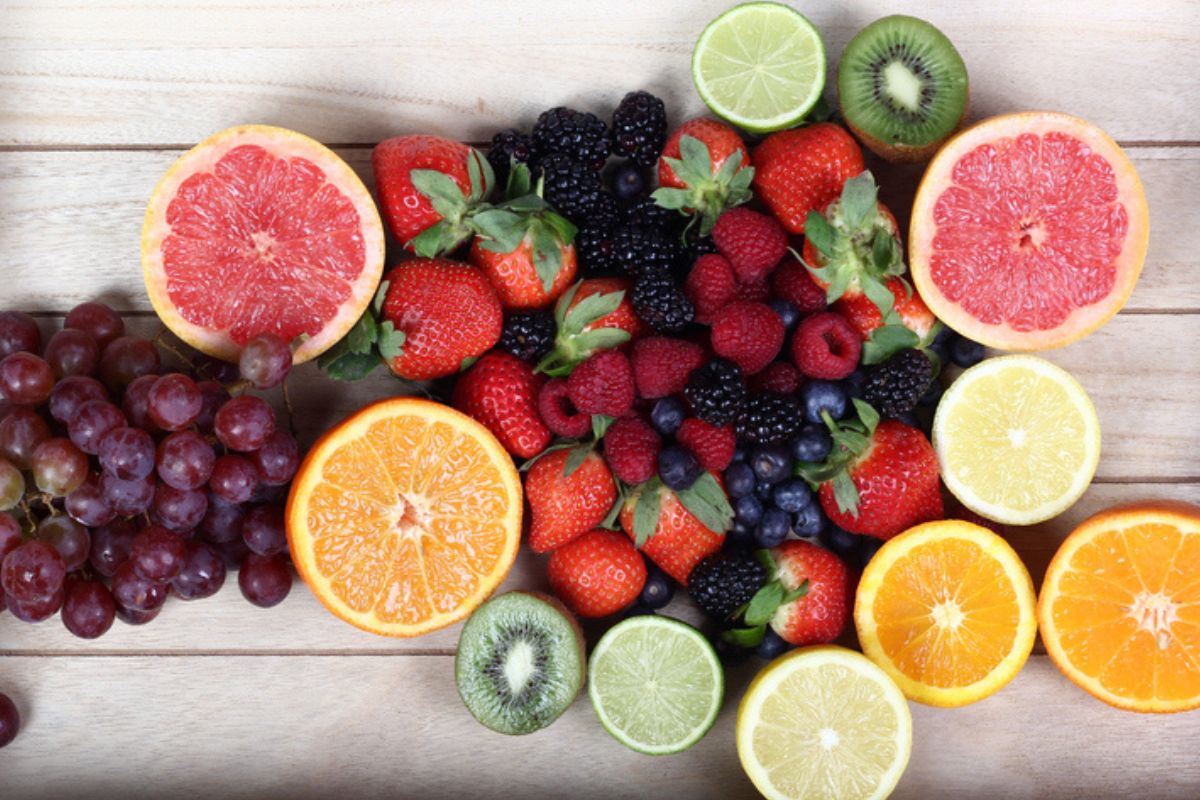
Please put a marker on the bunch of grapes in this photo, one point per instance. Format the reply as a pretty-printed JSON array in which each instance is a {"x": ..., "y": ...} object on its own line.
[{"x": 122, "y": 484}]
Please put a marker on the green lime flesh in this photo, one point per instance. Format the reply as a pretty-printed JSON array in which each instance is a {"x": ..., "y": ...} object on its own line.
[
  {"x": 656, "y": 684},
  {"x": 760, "y": 66}
]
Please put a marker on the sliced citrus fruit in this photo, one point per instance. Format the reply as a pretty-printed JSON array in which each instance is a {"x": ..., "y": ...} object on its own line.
[
  {"x": 1120, "y": 607},
  {"x": 1017, "y": 439},
  {"x": 948, "y": 610},
  {"x": 405, "y": 517},
  {"x": 1028, "y": 231},
  {"x": 824, "y": 722},
  {"x": 261, "y": 230},
  {"x": 760, "y": 66}
]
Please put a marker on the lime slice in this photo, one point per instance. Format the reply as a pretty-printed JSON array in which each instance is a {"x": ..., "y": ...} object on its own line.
[
  {"x": 656, "y": 684},
  {"x": 1017, "y": 439},
  {"x": 761, "y": 66},
  {"x": 824, "y": 722}
]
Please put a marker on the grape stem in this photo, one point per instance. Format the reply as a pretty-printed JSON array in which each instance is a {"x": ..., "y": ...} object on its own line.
[
  {"x": 287, "y": 406},
  {"x": 160, "y": 340}
]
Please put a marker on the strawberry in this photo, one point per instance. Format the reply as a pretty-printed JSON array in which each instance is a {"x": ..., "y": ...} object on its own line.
[
  {"x": 436, "y": 313},
  {"x": 668, "y": 532},
  {"x": 593, "y": 315},
  {"x": 598, "y": 573},
  {"x": 864, "y": 315},
  {"x": 521, "y": 280},
  {"x": 565, "y": 503},
  {"x": 800, "y": 170},
  {"x": 500, "y": 391},
  {"x": 704, "y": 169}
]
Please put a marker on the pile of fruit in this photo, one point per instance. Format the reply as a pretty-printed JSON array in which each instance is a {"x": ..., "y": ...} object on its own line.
[{"x": 669, "y": 357}]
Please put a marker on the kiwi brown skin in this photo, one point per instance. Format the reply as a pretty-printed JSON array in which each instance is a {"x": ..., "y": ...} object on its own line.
[{"x": 905, "y": 154}]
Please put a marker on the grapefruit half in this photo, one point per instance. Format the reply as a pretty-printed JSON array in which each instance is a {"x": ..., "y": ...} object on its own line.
[
  {"x": 261, "y": 230},
  {"x": 1028, "y": 231}
]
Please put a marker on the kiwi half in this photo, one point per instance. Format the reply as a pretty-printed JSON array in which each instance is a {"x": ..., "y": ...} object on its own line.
[
  {"x": 520, "y": 662},
  {"x": 902, "y": 87}
]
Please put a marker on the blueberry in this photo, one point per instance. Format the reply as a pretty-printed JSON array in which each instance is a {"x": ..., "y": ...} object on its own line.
[
  {"x": 934, "y": 395},
  {"x": 842, "y": 543},
  {"x": 638, "y": 609},
  {"x": 818, "y": 396},
  {"x": 965, "y": 352},
  {"x": 747, "y": 510},
  {"x": 773, "y": 529},
  {"x": 809, "y": 522},
  {"x": 763, "y": 491},
  {"x": 739, "y": 479},
  {"x": 677, "y": 467},
  {"x": 740, "y": 453},
  {"x": 771, "y": 463},
  {"x": 943, "y": 343},
  {"x": 853, "y": 383},
  {"x": 771, "y": 646},
  {"x": 868, "y": 546},
  {"x": 909, "y": 419},
  {"x": 667, "y": 415},
  {"x": 787, "y": 312},
  {"x": 812, "y": 444},
  {"x": 627, "y": 181},
  {"x": 792, "y": 495},
  {"x": 740, "y": 535},
  {"x": 658, "y": 590}
]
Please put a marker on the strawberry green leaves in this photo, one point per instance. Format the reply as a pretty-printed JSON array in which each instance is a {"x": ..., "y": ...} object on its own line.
[
  {"x": 357, "y": 354},
  {"x": 707, "y": 502},
  {"x": 707, "y": 194},
  {"x": 851, "y": 438},
  {"x": 575, "y": 341},
  {"x": 645, "y": 513},
  {"x": 455, "y": 208},
  {"x": 756, "y": 614}
]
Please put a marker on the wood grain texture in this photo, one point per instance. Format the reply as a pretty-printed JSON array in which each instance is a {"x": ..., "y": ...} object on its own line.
[{"x": 152, "y": 73}]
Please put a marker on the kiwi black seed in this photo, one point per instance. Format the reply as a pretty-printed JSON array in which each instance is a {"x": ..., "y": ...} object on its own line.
[
  {"x": 902, "y": 87},
  {"x": 520, "y": 662}
]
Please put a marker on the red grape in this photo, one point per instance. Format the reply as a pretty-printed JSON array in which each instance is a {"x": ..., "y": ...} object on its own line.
[
  {"x": 136, "y": 403},
  {"x": 10, "y": 720},
  {"x": 174, "y": 402},
  {"x": 265, "y": 361},
  {"x": 127, "y": 498},
  {"x": 185, "y": 460},
  {"x": 278, "y": 459},
  {"x": 233, "y": 479},
  {"x": 91, "y": 422},
  {"x": 127, "y": 453},
  {"x": 70, "y": 393},
  {"x": 59, "y": 467},
  {"x": 244, "y": 423},
  {"x": 33, "y": 571},
  {"x": 39, "y": 609},
  {"x": 233, "y": 552},
  {"x": 110, "y": 546},
  {"x": 10, "y": 535},
  {"x": 25, "y": 379},
  {"x": 72, "y": 352},
  {"x": 222, "y": 522},
  {"x": 68, "y": 537},
  {"x": 127, "y": 358},
  {"x": 21, "y": 431},
  {"x": 12, "y": 485},
  {"x": 86, "y": 504},
  {"x": 264, "y": 530},
  {"x": 132, "y": 616},
  {"x": 203, "y": 573},
  {"x": 157, "y": 554},
  {"x": 133, "y": 592},
  {"x": 265, "y": 580},
  {"x": 18, "y": 332},
  {"x": 88, "y": 609},
  {"x": 96, "y": 320},
  {"x": 179, "y": 510},
  {"x": 214, "y": 396}
]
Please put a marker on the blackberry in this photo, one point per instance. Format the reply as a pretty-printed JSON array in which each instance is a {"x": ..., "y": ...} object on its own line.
[
  {"x": 509, "y": 144},
  {"x": 528, "y": 335},
  {"x": 894, "y": 387},
  {"x": 724, "y": 582},
  {"x": 639, "y": 128},
  {"x": 700, "y": 246},
  {"x": 641, "y": 249},
  {"x": 716, "y": 392},
  {"x": 577, "y": 134},
  {"x": 769, "y": 418},
  {"x": 572, "y": 189},
  {"x": 659, "y": 302},
  {"x": 651, "y": 214},
  {"x": 594, "y": 249}
]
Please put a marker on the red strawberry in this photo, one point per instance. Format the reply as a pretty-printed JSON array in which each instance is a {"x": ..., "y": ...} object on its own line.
[
  {"x": 748, "y": 334},
  {"x": 791, "y": 282},
  {"x": 661, "y": 365},
  {"x": 712, "y": 446},
  {"x": 825, "y": 346},
  {"x": 802, "y": 169},
  {"x": 595, "y": 314},
  {"x": 500, "y": 391},
  {"x": 563, "y": 507},
  {"x": 408, "y": 208},
  {"x": 597, "y": 574},
  {"x": 711, "y": 285},
  {"x": 435, "y": 313},
  {"x": 821, "y": 614},
  {"x": 754, "y": 243},
  {"x": 559, "y": 413},
  {"x": 603, "y": 384},
  {"x": 864, "y": 315},
  {"x": 516, "y": 276},
  {"x": 631, "y": 448},
  {"x": 679, "y": 540},
  {"x": 691, "y": 175},
  {"x": 779, "y": 377}
]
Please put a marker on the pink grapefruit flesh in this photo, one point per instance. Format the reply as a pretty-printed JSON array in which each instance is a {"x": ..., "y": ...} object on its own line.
[
  {"x": 261, "y": 230},
  {"x": 1028, "y": 231}
]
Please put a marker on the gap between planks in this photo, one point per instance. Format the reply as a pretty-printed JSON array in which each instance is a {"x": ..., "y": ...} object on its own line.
[{"x": 226, "y": 653}]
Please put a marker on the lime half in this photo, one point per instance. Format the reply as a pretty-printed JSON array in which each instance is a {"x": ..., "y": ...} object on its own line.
[
  {"x": 656, "y": 684},
  {"x": 761, "y": 66}
]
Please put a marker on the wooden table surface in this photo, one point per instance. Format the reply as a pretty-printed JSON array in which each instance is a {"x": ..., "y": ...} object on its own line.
[{"x": 221, "y": 699}]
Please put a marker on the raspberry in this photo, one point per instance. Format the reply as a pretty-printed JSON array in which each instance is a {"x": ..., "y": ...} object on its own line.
[
  {"x": 754, "y": 243},
  {"x": 559, "y": 413},
  {"x": 748, "y": 334},
  {"x": 792, "y": 282},
  {"x": 779, "y": 377},
  {"x": 826, "y": 346},
  {"x": 661, "y": 365},
  {"x": 712, "y": 446},
  {"x": 756, "y": 292},
  {"x": 631, "y": 448},
  {"x": 711, "y": 285},
  {"x": 603, "y": 384}
]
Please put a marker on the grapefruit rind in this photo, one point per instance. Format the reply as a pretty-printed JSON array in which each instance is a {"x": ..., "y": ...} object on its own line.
[
  {"x": 990, "y": 544},
  {"x": 279, "y": 142},
  {"x": 1185, "y": 517},
  {"x": 1083, "y": 319},
  {"x": 309, "y": 477}
]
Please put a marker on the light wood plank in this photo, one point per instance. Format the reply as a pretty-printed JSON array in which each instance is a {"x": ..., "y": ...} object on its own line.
[
  {"x": 302, "y": 727},
  {"x": 139, "y": 72}
]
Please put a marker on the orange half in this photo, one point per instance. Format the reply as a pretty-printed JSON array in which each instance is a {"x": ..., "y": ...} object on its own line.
[
  {"x": 1120, "y": 607},
  {"x": 405, "y": 517}
]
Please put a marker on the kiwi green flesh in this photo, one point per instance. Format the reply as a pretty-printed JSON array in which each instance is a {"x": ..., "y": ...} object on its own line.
[
  {"x": 902, "y": 84},
  {"x": 520, "y": 662}
]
